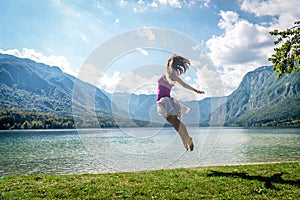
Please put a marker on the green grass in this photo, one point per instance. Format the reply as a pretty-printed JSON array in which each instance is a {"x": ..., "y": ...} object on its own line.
[{"x": 263, "y": 181}]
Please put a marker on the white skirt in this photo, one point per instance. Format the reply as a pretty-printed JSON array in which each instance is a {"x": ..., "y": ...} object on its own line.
[{"x": 168, "y": 106}]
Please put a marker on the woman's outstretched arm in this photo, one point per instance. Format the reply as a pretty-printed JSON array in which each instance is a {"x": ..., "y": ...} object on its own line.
[{"x": 187, "y": 86}]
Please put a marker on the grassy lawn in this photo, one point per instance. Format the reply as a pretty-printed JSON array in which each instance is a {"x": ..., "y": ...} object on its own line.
[{"x": 264, "y": 181}]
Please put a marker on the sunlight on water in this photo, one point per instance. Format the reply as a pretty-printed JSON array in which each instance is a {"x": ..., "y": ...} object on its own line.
[{"x": 110, "y": 150}]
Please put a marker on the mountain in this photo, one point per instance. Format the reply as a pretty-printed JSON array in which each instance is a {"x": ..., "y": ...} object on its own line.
[
  {"x": 135, "y": 106},
  {"x": 202, "y": 111},
  {"x": 263, "y": 100},
  {"x": 35, "y": 95},
  {"x": 40, "y": 90},
  {"x": 143, "y": 107},
  {"x": 30, "y": 86}
]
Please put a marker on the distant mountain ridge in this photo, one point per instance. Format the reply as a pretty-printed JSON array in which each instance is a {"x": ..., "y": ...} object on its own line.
[
  {"x": 30, "y": 86},
  {"x": 260, "y": 99}
]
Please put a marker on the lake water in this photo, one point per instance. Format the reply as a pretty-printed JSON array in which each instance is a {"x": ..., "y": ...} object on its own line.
[{"x": 133, "y": 149}]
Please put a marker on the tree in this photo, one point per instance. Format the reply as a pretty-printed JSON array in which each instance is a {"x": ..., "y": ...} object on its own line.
[
  {"x": 26, "y": 125},
  {"x": 287, "y": 57}
]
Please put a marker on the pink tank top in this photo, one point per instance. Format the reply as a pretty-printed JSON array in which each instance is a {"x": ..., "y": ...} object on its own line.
[{"x": 164, "y": 88}]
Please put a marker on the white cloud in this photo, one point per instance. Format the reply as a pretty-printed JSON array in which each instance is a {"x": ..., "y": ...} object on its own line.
[
  {"x": 84, "y": 38},
  {"x": 52, "y": 60},
  {"x": 129, "y": 83},
  {"x": 89, "y": 73},
  {"x": 108, "y": 83},
  {"x": 210, "y": 81},
  {"x": 156, "y": 5},
  {"x": 206, "y": 3},
  {"x": 146, "y": 33},
  {"x": 242, "y": 42},
  {"x": 172, "y": 3},
  {"x": 102, "y": 9},
  {"x": 244, "y": 46},
  {"x": 143, "y": 51},
  {"x": 138, "y": 84},
  {"x": 206, "y": 79},
  {"x": 228, "y": 19},
  {"x": 287, "y": 11},
  {"x": 153, "y": 5},
  {"x": 123, "y": 2},
  {"x": 142, "y": 6}
]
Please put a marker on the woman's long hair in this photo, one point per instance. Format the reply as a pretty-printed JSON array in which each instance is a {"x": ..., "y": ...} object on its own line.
[{"x": 180, "y": 64}]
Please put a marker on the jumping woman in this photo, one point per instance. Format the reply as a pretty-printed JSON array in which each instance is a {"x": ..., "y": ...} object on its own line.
[{"x": 169, "y": 107}]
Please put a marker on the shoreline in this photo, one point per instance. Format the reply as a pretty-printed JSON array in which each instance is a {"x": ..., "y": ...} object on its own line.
[
  {"x": 190, "y": 167},
  {"x": 153, "y": 170}
]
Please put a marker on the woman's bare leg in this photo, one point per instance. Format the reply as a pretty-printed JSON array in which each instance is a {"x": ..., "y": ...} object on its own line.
[{"x": 181, "y": 129}]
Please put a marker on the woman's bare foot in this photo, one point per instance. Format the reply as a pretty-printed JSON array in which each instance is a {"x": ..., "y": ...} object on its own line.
[{"x": 189, "y": 145}]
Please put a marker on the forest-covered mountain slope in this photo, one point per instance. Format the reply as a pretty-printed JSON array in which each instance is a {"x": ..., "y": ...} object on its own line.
[
  {"x": 30, "y": 87},
  {"x": 262, "y": 99}
]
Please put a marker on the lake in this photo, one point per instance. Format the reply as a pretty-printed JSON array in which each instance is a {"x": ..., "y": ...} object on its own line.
[{"x": 133, "y": 149}]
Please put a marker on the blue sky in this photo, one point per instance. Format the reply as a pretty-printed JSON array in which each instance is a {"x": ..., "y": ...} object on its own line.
[{"x": 233, "y": 33}]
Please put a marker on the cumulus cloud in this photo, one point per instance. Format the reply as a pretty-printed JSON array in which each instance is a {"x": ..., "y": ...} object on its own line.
[
  {"x": 287, "y": 11},
  {"x": 242, "y": 42},
  {"x": 129, "y": 83},
  {"x": 279, "y": 8},
  {"x": 210, "y": 81},
  {"x": 89, "y": 73},
  {"x": 108, "y": 83},
  {"x": 205, "y": 79},
  {"x": 244, "y": 46},
  {"x": 52, "y": 60}
]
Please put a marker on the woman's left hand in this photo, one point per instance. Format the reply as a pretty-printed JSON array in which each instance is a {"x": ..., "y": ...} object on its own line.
[{"x": 198, "y": 91}]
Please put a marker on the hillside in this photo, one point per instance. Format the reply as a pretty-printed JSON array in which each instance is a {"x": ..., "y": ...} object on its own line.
[
  {"x": 31, "y": 91},
  {"x": 30, "y": 86},
  {"x": 143, "y": 107},
  {"x": 264, "y": 100}
]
